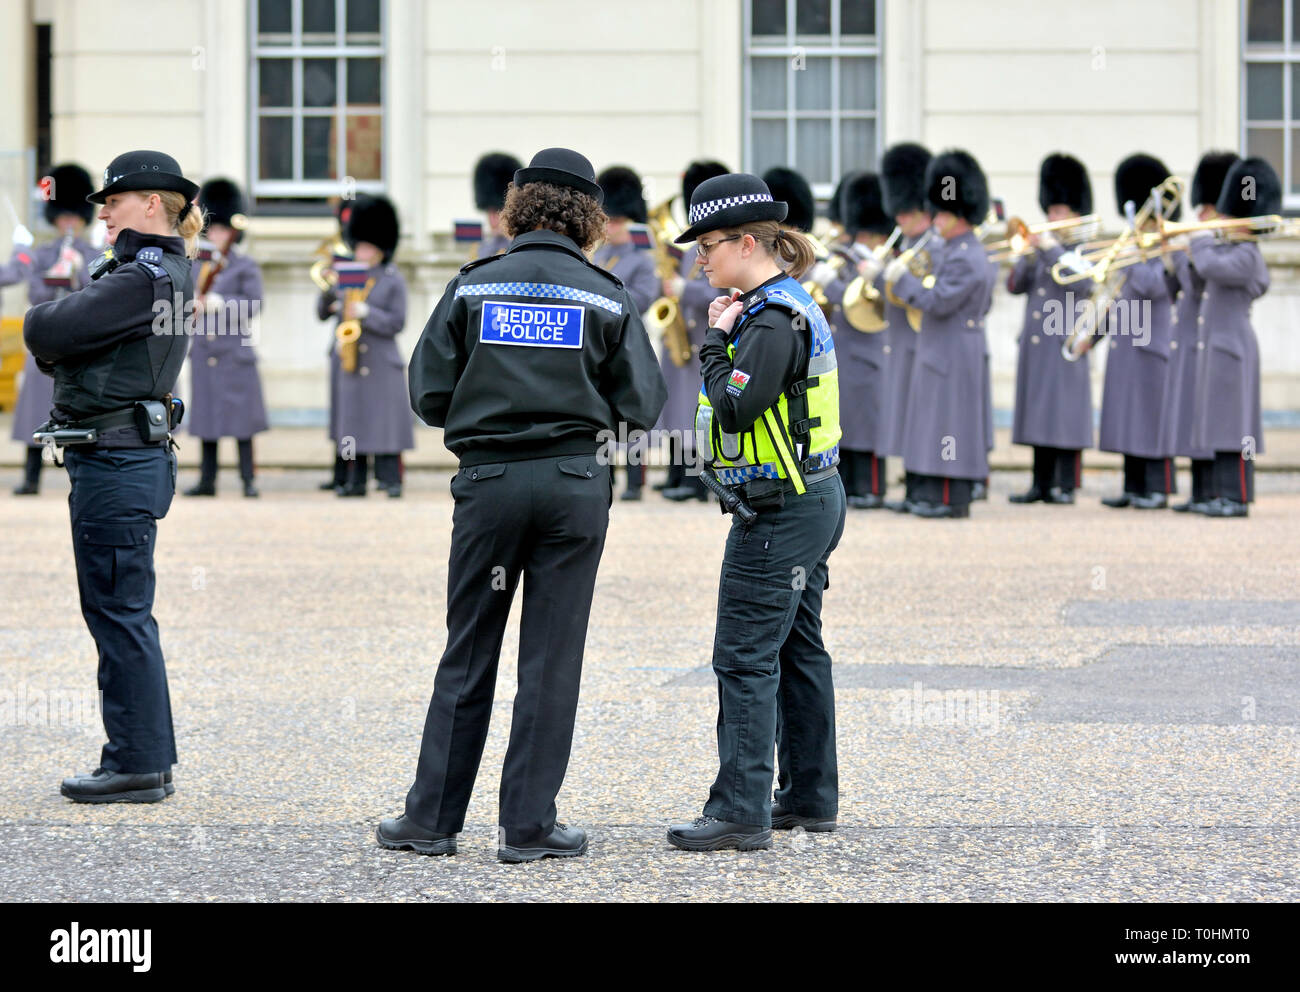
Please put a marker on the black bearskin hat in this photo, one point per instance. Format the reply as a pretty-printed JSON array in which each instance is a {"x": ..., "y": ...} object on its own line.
[
  {"x": 375, "y": 221},
  {"x": 71, "y": 186},
  {"x": 624, "y": 196},
  {"x": 492, "y": 174},
  {"x": 862, "y": 207},
  {"x": 1250, "y": 188},
  {"x": 788, "y": 185},
  {"x": 696, "y": 173},
  {"x": 954, "y": 182},
  {"x": 902, "y": 178},
  {"x": 1207, "y": 182},
  {"x": 223, "y": 202},
  {"x": 1063, "y": 179},
  {"x": 1136, "y": 177}
]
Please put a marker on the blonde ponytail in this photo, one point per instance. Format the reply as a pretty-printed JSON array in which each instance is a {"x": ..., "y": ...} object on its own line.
[
  {"x": 191, "y": 227},
  {"x": 795, "y": 251}
]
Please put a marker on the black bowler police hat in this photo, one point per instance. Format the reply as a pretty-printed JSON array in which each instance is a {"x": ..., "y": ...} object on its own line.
[
  {"x": 143, "y": 170},
  {"x": 729, "y": 201},
  {"x": 562, "y": 167}
]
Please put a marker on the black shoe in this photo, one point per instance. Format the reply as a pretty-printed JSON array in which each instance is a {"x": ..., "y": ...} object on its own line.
[
  {"x": 630, "y": 496},
  {"x": 1191, "y": 506},
  {"x": 394, "y": 491},
  {"x": 979, "y": 490},
  {"x": 1031, "y": 495},
  {"x": 403, "y": 835},
  {"x": 28, "y": 488},
  {"x": 202, "y": 489},
  {"x": 709, "y": 834},
  {"x": 561, "y": 842},
  {"x": 661, "y": 486},
  {"x": 167, "y": 783},
  {"x": 783, "y": 819},
  {"x": 868, "y": 502},
  {"x": 250, "y": 490},
  {"x": 1118, "y": 502},
  {"x": 939, "y": 510},
  {"x": 351, "y": 490},
  {"x": 329, "y": 487},
  {"x": 1152, "y": 501},
  {"x": 680, "y": 494},
  {"x": 1221, "y": 507},
  {"x": 1061, "y": 497},
  {"x": 899, "y": 506},
  {"x": 103, "y": 786}
]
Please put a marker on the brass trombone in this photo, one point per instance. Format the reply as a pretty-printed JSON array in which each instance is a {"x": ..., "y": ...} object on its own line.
[{"x": 1016, "y": 243}]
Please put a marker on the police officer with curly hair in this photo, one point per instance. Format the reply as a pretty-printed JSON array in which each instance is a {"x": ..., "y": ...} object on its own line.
[
  {"x": 529, "y": 361},
  {"x": 114, "y": 350}
]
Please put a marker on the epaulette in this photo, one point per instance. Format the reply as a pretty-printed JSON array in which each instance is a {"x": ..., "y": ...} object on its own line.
[
  {"x": 604, "y": 272},
  {"x": 474, "y": 263},
  {"x": 151, "y": 258}
]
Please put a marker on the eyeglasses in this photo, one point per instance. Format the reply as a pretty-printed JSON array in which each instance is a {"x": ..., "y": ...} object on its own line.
[{"x": 703, "y": 248}]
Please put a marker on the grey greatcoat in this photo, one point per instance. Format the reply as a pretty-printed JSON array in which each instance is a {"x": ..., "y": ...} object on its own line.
[
  {"x": 37, "y": 393},
  {"x": 861, "y": 357},
  {"x": 684, "y": 383},
  {"x": 636, "y": 267},
  {"x": 225, "y": 389},
  {"x": 945, "y": 433},
  {"x": 899, "y": 355},
  {"x": 1227, "y": 408},
  {"x": 371, "y": 404},
  {"x": 1135, "y": 399},
  {"x": 1185, "y": 357},
  {"x": 1053, "y": 396},
  {"x": 493, "y": 244}
]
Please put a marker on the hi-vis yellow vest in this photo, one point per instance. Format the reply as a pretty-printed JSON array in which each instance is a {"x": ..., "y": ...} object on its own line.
[{"x": 800, "y": 433}]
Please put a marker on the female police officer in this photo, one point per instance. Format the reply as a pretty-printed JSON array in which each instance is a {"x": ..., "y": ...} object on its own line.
[
  {"x": 114, "y": 350},
  {"x": 769, "y": 414}
]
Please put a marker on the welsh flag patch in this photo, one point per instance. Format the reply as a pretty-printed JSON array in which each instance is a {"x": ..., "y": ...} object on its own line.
[{"x": 739, "y": 380}]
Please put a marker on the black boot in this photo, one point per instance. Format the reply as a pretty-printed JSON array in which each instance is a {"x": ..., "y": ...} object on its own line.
[
  {"x": 103, "y": 786},
  {"x": 562, "y": 842},
  {"x": 783, "y": 819},
  {"x": 1032, "y": 495},
  {"x": 709, "y": 834},
  {"x": 401, "y": 834},
  {"x": 207, "y": 472}
]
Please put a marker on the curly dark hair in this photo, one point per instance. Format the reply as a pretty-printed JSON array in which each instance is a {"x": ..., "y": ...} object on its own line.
[{"x": 553, "y": 208}]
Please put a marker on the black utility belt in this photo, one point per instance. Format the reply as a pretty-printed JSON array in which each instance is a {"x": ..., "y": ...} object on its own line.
[
  {"x": 153, "y": 420},
  {"x": 770, "y": 494}
]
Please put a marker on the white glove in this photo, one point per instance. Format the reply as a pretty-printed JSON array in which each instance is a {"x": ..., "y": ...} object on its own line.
[
  {"x": 895, "y": 269},
  {"x": 673, "y": 286},
  {"x": 360, "y": 310},
  {"x": 22, "y": 237},
  {"x": 869, "y": 268},
  {"x": 71, "y": 258},
  {"x": 1201, "y": 233},
  {"x": 213, "y": 302},
  {"x": 1046, "y": 241},
  {"x": 822, "y": 274}
]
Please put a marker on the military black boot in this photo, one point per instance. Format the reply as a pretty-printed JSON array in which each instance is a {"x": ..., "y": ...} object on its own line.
[
  {"x": 401, "y": 834},
  {"x": 709, "y": 834}
]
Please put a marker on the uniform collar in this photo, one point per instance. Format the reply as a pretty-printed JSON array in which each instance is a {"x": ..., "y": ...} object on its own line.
[
  {"x": 748, "y": 298},
  {"x": 130, "y": 241},
  {"x": 546, "y": 239}
]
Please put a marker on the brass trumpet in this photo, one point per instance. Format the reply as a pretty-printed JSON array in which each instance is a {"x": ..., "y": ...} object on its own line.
[
  {"x": 920, "y": 264},
  {"x": 665, "y": 314},
  {"x": 863, "y": 304}
]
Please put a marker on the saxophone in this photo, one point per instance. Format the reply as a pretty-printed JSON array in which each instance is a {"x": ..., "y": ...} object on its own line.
[
  {"x": 356, "y": 282},
  {"x": 665, "y": 314}
]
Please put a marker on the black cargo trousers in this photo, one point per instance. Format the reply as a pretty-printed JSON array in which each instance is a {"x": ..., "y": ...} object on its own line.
[{"x": 543, "y": 519}]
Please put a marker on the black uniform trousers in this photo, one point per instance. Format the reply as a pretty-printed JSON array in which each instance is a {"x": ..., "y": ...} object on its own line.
[
  {"x": 941, "y": 490},
  {"x": 1234, "y": 477},
  {"x": 32, "y": 466},
  {"x": 771, "y": 665},
  {"x": 117, "y": 497},
  {"x": 1144, "y": 476},
  {"x": 862, "y": 472},
  {"x": 1057, "y": 468},
  {"x": 208, "y": 462},
  {"x": 543, "y": 519},
  {"x": 1202, "y": 480}
]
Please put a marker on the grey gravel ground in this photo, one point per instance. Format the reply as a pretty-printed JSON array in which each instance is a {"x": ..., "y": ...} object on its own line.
[{"x": 1040, "y": 703}]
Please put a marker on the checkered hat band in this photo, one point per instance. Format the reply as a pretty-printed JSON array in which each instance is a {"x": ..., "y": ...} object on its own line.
[
  {"x": 539, "y": 289},
  {"x": 708, "y": 208}
]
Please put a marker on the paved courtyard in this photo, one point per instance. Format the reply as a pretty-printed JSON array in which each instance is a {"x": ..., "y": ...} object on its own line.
[{"x": 1040, "y": 703}]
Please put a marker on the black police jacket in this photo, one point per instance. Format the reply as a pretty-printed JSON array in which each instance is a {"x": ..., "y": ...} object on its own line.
[
  {"x": 534, "y": 353},
  {"x": 124, "y": 337}
]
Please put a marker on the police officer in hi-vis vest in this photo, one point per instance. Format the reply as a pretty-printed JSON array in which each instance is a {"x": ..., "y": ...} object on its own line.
[
  {"x": 624, "y": 205},
  {"x": 225, "y": 388},
  {"x": 769, "y": 416},
  {"x": 53, "y": 270},
  {"x": 115, "y": 349},
  {"x": 531, "y": 361},
  {"x": 1053, "y": 396},
  {"x": 946, "y": 433}
]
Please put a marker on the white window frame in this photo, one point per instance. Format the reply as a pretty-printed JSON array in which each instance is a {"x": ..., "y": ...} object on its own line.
[
  {"x": 296, "y": 50},
  {"x": 791, "y": 114},
  {"x": 1287, "y": 55}
]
